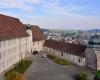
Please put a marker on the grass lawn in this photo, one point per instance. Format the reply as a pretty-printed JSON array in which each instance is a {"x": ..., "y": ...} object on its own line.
[
  {"x": 20, "y": 68},
  {"x": 97, "y": 74},
  {"x": 58, "y": 60}
]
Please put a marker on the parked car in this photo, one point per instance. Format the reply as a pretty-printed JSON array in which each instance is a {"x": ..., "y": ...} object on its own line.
[
  {"x": 44, "y": 55},
  {"x": 35, "y": 52}
]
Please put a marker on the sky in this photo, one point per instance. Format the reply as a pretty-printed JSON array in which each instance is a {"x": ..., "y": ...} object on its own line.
[{"x": 55, "y": 14}]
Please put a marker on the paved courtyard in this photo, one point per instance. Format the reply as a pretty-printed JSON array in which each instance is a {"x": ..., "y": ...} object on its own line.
[{"x": 45, "y": 69}]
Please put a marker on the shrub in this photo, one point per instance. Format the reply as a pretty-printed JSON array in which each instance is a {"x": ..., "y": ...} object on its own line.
[
  {"x": 22, "y": 66},
  {"x": 14, "y": 76},
  {"x": 19, "y": 77},
  {"x": 17, "y": 72},
  {"x": 81, "y": 76},
  {"x": 97, "y": 74}
]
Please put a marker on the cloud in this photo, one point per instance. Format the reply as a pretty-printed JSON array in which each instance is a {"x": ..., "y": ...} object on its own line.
[
  {"x": 10, "y": 4},
  {"x": 32, "y": 1},
  {"x": 55, "y": 7},
  {"x": 20, "y": 4},
  {"x": 56, "y": 13},
  {"x": 49, "y": 6}
]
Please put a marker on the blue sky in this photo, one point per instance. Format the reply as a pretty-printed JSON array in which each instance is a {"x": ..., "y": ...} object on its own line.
[{"x": 61, "y": 14}]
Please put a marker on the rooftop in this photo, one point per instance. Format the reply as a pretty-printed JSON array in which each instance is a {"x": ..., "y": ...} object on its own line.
[
  {"x": 37, "y": 33},
  {"x": 71, "y": 48},
  {"x": 11, "y": 28}
]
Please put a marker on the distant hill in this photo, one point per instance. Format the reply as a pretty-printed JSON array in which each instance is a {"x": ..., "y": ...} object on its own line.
[
  {"x": 44, "y": 29},
  {"x": 94, "y": 30},
  {"x": 63, "y": 30}
]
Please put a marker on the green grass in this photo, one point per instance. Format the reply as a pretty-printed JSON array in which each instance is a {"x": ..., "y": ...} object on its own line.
[
  {"x": 81, "y": 76},
  {"x": 97, "y": 74},
  {"x": 58, "y": 60},
  {"x": 20, "y": 68}
]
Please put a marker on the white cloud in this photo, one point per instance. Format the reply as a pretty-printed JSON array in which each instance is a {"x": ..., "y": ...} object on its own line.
[
  {"x": 21, "y": 4},
  {"x": 61, "y": 15},
  {"x": 49, "y": 6},
  {"x": 10, "y": 4},
  {"x": 54, "y": 7},
  {"x": 32, "y": 1}
]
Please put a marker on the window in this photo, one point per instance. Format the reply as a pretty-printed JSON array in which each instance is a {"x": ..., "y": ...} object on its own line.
[
  {"x": 4, "y": 54},
  {"x": 62, "y": 54},
  {"x": 79, "y": 60},
  {"x": 83, "y": 59},
  {"x": 3, "y": 65},
  {"x": 0, "y": 55},
  {"x": 0, "y": 45}
]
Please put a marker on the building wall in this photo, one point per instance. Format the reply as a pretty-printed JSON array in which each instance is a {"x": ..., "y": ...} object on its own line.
[
  {"x": 29, "y": 42},
  {"x": 98, "y": 59},
  {"x": 38, "y": 45},
  {"x": 72, "y": 58},
  {"x": 91, "y": 58},
  {"x": 11, "y": 51}
]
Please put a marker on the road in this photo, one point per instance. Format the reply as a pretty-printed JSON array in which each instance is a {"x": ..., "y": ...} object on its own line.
[{"x": 45, "y": 69}]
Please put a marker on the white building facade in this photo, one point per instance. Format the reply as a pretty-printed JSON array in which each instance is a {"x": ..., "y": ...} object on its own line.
[
  {"x": 38, "y": 38},
  {"x": 38, "y": 45},
  {"x": 11, "y": 51},
  {"x": 72, "y": 52},
  {"x": 14, "y": 45}
]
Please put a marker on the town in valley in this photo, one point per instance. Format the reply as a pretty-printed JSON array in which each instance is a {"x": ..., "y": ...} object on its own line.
[{"x": 49, "y": 40}]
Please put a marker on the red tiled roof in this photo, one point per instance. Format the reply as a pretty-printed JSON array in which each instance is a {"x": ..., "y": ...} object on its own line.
[
  {"x": 37, "y": 33},
  {"x": 11, "y": 28},
  {"x": 71, "y": 48}
]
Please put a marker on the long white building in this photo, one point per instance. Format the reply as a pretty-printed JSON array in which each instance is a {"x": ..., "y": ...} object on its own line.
[
  {"x": 15, "y": 41},
  {"x": 38, "y": 37}
]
